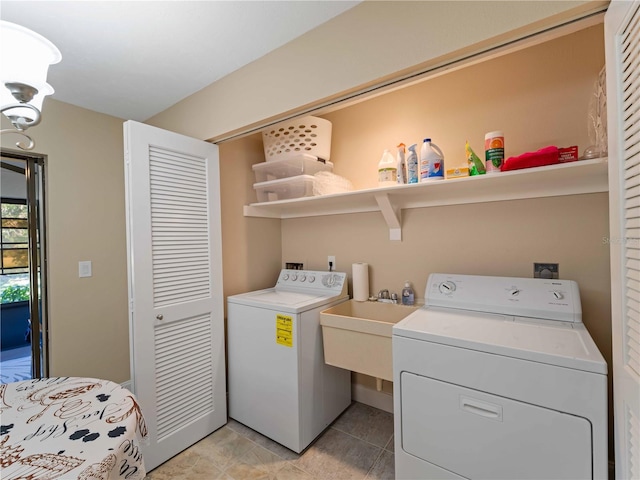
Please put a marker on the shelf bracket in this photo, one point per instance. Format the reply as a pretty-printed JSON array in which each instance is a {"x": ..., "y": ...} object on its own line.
[{"x": 391, "y": 216}]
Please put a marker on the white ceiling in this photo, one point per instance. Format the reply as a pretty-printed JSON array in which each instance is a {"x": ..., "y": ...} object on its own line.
[{"x": 133, "y": 59}]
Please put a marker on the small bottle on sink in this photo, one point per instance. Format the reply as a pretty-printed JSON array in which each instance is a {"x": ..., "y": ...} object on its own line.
[{"x": 408, "y": 297}]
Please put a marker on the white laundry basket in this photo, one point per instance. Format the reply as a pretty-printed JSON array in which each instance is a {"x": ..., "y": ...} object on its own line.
[{"x": 310, "y": 135}]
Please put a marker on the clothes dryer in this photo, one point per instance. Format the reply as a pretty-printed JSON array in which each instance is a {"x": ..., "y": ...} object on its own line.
[
  {"x": 498, "y": 378},
  {"x": 278, "y": 382}
]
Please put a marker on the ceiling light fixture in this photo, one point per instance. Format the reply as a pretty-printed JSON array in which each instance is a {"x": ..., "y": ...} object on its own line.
[{"x": 25, "y": 59}]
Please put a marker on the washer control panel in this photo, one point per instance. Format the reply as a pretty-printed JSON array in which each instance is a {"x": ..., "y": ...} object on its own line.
[
  {"x": 549, "y": 299},
  {"x": 325, "y": 283}
]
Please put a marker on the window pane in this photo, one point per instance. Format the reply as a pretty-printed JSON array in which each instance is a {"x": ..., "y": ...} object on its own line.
[
  {"x": 15, "y": 245},
  {"x": 14, "y": 210},
  {"x": 15, "y": 271},
  {"x": 15, "y": 258},
  {"x": 14, "y": 223},
  {"x": 14, "y": 288},
  {"x": 15, "y": 235}
]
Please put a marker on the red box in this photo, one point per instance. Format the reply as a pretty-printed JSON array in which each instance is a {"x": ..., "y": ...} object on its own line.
[{"x": 568, "y": 154}]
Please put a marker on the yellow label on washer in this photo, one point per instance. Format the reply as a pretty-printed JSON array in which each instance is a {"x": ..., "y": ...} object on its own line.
[{"x": 284, "y": 330}]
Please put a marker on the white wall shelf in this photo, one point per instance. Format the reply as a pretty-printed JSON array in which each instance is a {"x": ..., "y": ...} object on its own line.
[{"x": 584, "y": 176}]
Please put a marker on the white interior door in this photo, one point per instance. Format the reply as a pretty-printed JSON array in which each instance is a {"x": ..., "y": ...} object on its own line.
[
  {"x": 622, "y": 37},
  {"x": 175, "y": 287}
]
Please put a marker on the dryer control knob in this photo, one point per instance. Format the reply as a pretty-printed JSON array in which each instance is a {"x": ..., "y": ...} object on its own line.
[
  {"x": 558, "y": 295},
  {"x": 303, "y": 278},
  {"x": 312, "y": 279},
  {"x": 514, "y": 292},
  {"x": 328, "y": 280},
  {"x": 285, "y": 276},
  {"x": 447, "y": 287},
  {"x": 294, "y": 277}
]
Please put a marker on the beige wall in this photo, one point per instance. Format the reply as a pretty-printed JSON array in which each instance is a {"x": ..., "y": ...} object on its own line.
[
  {"x": 251, "y": 247},
  {"x": 367, "y": 44},
  {"x": 538, "y": 96},
  {"x": 88, "y": 317}
]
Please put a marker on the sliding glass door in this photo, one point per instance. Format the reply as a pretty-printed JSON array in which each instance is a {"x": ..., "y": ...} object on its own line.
[{"x": 23, "y": 267}]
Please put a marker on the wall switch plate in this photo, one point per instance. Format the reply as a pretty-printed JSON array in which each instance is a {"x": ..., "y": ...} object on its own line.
[
  {"x": 545, "y": 270},
  {"x": 84, "y": 269}
]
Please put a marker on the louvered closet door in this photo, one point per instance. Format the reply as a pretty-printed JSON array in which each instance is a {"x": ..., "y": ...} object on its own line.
[
  {"x": 175, "y": 287},
  {"x": 622, "y": 35}
]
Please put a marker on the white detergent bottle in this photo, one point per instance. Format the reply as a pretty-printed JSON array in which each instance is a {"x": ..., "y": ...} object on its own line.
[
  {"x": 424, "y": 160},
  {"x": 387, "y": 170},
  {"x": 401, "y": 165},
  {"x": 435, "y": 161},
  {"x": 412, "y": 165}
]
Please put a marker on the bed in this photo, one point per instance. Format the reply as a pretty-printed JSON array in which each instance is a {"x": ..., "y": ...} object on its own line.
[{"x": 70, "y": 428}]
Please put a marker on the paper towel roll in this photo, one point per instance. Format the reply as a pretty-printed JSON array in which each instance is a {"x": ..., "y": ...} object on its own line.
[{"x": 360, "y": 273}]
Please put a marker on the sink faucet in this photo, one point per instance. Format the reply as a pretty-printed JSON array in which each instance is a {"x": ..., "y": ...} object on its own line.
[{"x": 383, "y": 296}]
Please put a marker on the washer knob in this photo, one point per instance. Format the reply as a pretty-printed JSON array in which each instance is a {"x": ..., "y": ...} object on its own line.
[
  {"x": 294, "y": 277},
  {"x": 514, "y": 292},
  {"x": 312, "y": 279},
  {"x": 303, "y": 278},
  {"x": 558, "y": 295},
  {"x": 447, "y": 287},
  {"x": 285, "y": 276}
]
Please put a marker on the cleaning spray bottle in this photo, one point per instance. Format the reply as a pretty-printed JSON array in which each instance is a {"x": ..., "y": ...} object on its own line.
[
  {"x": 387, "y": 170},
  {"x": 431, "y": 162},
  {"x": 401, "y": 165},
  {"x": 412, "y": 165}
]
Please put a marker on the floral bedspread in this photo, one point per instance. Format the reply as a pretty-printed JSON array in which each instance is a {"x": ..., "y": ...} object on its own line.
[{"x": 70, "y": 428}]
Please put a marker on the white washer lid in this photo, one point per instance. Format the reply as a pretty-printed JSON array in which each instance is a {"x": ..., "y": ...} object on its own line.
[
  {"x": 555, "y": 343},
  {"x": 283, "y": 300},
  {"x": 280, "y": 297}
]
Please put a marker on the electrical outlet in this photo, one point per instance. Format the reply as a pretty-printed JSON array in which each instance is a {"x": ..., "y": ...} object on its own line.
[
  {"x": 331, "y": 262},
  {"x": 546, "y": 270}
]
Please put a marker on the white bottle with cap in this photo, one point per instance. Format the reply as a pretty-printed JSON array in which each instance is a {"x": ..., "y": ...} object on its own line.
[
  {"x": 387, "y": 170},
  {"x": 431, "y": 162}
]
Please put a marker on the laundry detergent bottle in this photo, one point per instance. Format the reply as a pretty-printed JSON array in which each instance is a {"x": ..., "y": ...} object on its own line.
[
  {"x": 431, "y": 162},
  {"x": 387, "y": 170}
]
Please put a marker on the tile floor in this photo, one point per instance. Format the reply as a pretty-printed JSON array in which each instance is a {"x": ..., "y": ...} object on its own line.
[
  {"x": 358, "y": 445},
  {"x": 15, "y": 364}
]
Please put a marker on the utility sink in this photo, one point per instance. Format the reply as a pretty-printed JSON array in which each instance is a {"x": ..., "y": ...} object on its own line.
[{"x": 357, "y": 336}]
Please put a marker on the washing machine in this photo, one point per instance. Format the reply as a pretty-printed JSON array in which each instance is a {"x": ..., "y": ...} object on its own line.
[
  {"x": 498, "y": 378},
  {"x": 278, "y": 382}
]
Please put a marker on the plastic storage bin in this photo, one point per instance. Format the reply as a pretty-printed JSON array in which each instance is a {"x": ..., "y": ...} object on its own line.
[
  {"x": 298, "y": 165},
  {"x": 284, "y": 188},
  {"x": 310, "y": 135}
]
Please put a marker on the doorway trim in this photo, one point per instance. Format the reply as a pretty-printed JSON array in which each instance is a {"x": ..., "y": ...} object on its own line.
[{"x": 38, "y": 278}]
